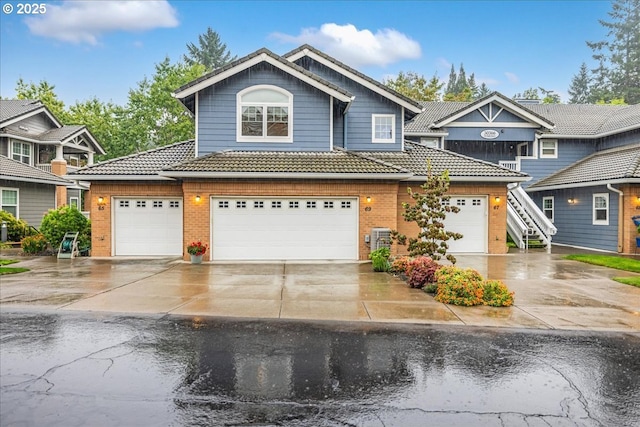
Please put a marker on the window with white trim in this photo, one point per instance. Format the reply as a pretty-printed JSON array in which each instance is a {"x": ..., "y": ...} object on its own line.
[
  {"x": 21, "y": 151},
  {"x": 549, "y": 149},
  {"x": 547, "y": 207},
  {"x": 264, "y": 114},
  {"x": 383, "y": 128},
  {"x": 9, "y": 201},
  {"x": 74, "y": 202},
  {"x": 601, "y": 209}
]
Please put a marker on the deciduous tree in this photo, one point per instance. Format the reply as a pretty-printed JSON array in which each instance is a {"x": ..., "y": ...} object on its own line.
[{"x": 416, "y": 86}]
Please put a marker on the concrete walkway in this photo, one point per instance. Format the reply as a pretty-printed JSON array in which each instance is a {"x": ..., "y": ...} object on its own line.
[{"x": 550, "y": 293}]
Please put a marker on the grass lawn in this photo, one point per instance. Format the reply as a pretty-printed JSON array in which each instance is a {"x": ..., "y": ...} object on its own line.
[
  {"x": 619, "y": 263},
  {"x": 10, "y": 270}
]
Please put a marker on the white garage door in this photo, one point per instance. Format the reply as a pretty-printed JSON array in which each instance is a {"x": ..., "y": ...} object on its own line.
[
  {"x": 145, "y": 226},
  {"x": 471, "y": 222},
  {"x": 285, "y": 228}
]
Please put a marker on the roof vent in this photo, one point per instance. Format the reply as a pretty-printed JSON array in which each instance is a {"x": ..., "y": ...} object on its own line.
[{"x": 24, "y": 128}]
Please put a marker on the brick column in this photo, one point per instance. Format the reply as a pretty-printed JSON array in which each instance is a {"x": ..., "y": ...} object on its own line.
[{"x": 59, "y": 167}]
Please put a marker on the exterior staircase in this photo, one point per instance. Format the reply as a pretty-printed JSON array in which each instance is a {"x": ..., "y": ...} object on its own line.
[{"x": 526, "y": 223}]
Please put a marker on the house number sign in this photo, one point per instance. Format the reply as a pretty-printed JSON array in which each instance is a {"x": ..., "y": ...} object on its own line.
[{"x": 489, "y": 134}]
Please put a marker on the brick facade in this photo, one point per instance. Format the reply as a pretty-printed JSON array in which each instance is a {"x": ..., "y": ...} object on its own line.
[
  {"x": 59, "y": 167},
  {"x": 383, "y": 209},
  {"x": 631, "y": 208}
]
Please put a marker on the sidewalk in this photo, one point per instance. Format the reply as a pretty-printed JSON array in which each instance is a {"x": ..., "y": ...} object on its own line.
[{"x": 550, "y": 293}]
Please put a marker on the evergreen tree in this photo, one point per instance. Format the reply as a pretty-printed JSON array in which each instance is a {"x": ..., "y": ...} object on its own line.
[
  {"x": 531, "y": 93},
  {"x": 451, "y": 84},
  {"x": 415, "y": 86},
  {"x": 210, "y": 52},
  {"x": 483, "y": 91},
  {"x": 618, "y": 56},
  {"x": 579, "y": 91},
  {"x": 473, "y": 86},
  {"x": 461, "y": 81}
]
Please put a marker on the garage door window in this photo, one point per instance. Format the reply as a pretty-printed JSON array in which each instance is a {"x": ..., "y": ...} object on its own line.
[
  {"x": 476, "y": 202},
  {"x": 294, "y": 205},
  {"x": 241, "y": 204},
  {"x": 174, "y": 204},
  {"x": 345, "y": 205},
  {"x": 141, "y": 204},
  {"x": 124, "y": 203},
  {"x": 258, "y": 205},
  {"x": 328, "y": 205},
  {"x": 276, "y": 205},
  {"x": 224, "y": 204},
  {"x": 311, "y": 205},
  {"x": 157, "y": 203}
]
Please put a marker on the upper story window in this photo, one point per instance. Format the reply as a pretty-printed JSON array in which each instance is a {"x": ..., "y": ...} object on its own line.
[
  {"x": 9, "y": 200},
  {"x": 549, "y": 148},
  {"x": 264, "y": 114},
  {"x": 21, "y": 151},
  {"x": 601, "y": 209},
  {"x": 383, "y": 128}
]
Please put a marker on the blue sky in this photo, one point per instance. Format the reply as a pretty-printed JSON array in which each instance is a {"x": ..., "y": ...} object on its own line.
[{"x": 103, "y": 48}]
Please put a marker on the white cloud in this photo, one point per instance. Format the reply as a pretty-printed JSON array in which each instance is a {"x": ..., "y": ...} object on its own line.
[
  {"x": 85, "y": 21},
  {"x": 357, "y": 47},
  {"x": 512, "y": 77}
]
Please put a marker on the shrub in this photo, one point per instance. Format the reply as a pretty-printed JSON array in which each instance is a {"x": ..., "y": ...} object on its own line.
[
  {"x": 17, "y": 229},
  {"x": 496, "y": 294},
  {"x": 400, "y": 264},
  {"x": 459, "y": 287},
  {"x": 421, "y": 271},
  {"x": 65, "y": 219},
  {"x": 380, "y": 259},
  {"x": 34, "y": 244},
  {"x": 431, "y": 288}
]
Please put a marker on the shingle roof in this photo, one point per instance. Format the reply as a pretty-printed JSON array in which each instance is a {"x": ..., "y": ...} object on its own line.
[
  {"x": 416, "y": 156},
  {"x": 17, "y": 171},
  {"x": 353, "y": 71},
  {"x": 265, "y": 162},
  {"x": 147, "y": 163},
  {"x": 273, "y": 56},
  {"x": 11, "y": 108},
  {"x": 615, "y": 164},
  {"x": 432, "y": 111}
]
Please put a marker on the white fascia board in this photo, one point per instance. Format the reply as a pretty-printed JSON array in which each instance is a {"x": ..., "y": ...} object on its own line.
[
  {"x": 119, "y": 177},
  {"x": 476, "y": 178},
  {"x": 492, "y": 125},
  {"x": 360, "y": 80},
  {"x": 26, "y": 139},
  {"x": 35, "y": 180},
  {"x": 92, "y": 140},
  {"x": 32, "y": 113},
  {"x": 594, "y": 136},
  {"x": 254, "y": 61},
  {"x": 584, "y": 184},
  {"x": 513, "y": 108},
  {"x": 416, "y": 133},
  {"x": 288, "y": 175}
]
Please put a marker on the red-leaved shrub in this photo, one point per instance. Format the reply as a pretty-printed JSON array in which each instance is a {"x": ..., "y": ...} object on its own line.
[{"x": 421, "y": 271}]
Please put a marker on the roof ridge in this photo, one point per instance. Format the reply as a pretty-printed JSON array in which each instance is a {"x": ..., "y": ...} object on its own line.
[{"x": 379, "y": 161}]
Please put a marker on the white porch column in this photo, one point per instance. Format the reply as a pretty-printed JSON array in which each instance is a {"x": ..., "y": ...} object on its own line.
[
  {"x": 90, "y": 158},
  {"x": 59, "y": 152}
]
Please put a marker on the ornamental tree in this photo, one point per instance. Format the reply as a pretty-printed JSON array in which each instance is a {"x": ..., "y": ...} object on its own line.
[{"x": 428, "y": 211}]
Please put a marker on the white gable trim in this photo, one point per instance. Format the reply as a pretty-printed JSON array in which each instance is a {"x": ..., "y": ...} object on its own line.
[
  {"x": 511, "y": 107},
  {"x": 335, "y": 67},
  {"x": 254, "y": 61}
]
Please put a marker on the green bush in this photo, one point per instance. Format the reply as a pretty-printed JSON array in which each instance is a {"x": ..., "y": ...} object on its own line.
[
  {"x": 431, "y": 288},
  {"x": 34, "y": 244},
  {"x": 496, "y": 294},
  {"x": 459, "y": 287},
  {"x": 17, "y": 229},
  {"x": 380, "y": 259},
  {"x": 65, "y": 219}
]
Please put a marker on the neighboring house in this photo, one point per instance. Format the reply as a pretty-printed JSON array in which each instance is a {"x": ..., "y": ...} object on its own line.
[
  {"x": 27, "y": 192},
  {"x": 31, "y": 135},
  {"x": 295, "y": 157},
  {"x": 540, "y": 140}
]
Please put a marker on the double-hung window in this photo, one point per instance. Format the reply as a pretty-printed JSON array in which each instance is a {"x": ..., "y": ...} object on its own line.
[
  {"x": 9, "y": 200},
  {"x": 21, "y": 151},
  {"x": 383, "y": 128},
  {"x": 547, "y": 207},
  {"x": 601, "y": 209},
  {"x": 264, "y": 114},
  {"x": 549, "y": 149}
]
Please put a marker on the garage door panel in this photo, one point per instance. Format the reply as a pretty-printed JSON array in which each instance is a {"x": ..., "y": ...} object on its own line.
[
  {"x": 148, "y": 227},
  {"x": 290, "y": 229},
  {"x": 471, "y": 222}
]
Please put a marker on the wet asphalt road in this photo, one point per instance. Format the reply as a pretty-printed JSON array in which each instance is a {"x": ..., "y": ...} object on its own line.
[{"x": 100, "y": 370}]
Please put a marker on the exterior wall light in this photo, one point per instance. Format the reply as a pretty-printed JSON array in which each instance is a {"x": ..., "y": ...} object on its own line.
[
  {"x": 571, "y": 201},
  {"x": 101, "y": 203},
  {"x": 368, "y": 199},
  {"x": 198, "y": 198},
  {"x": 497, "y": 199}
]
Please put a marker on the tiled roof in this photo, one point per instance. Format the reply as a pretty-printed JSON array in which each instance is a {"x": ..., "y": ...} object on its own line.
[
  {"x": 273, "y": 56},
  {"x": 353, "y": 71},
  {"x": 147, "y": 163},
  {"x": 60, "y": 134},
  {"x": 615, "y": 164},
  {"x": 432, "y": 111},
  {"x": 17, "y": 171},
  {"x": 416, "y": 156},
  {"x": 11, "y": 108},
  {"x": 588, "y": 119},
  {"x": 265, "y": 162}
]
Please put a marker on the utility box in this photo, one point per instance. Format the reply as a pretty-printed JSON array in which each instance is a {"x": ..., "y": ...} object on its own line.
[{"x": 380, "y": 238}]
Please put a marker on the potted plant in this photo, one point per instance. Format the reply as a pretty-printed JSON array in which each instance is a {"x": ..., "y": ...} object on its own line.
[{"x": 196, "y": 250}]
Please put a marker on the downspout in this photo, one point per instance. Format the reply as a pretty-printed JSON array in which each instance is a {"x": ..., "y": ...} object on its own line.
[
  {"x": 344, "y": 127},
  {"x": 620, "y": 217}
]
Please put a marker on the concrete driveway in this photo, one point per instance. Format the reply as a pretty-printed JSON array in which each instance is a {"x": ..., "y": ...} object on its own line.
[{"x": 550, "y": 293}]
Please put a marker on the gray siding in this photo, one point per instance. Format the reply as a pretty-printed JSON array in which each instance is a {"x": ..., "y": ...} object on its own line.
[
  {"x": 217, "y": 113},
  {"x": 36, "y": 124},
  {"x": 4, "y": 147},
  {"x": 359, "y": 116},
  {"x": 575, "y": 222},
  {"x": 569, "y": 152},
  {"x": 506, "y": 134},
  {"x": 627, "y": 138},
  {"x": 491, "y": 151},
  {"x": 34, "y": 200}
]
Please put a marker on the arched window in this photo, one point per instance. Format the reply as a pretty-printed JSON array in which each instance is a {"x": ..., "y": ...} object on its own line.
[{"x": 264, "y": 114}]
